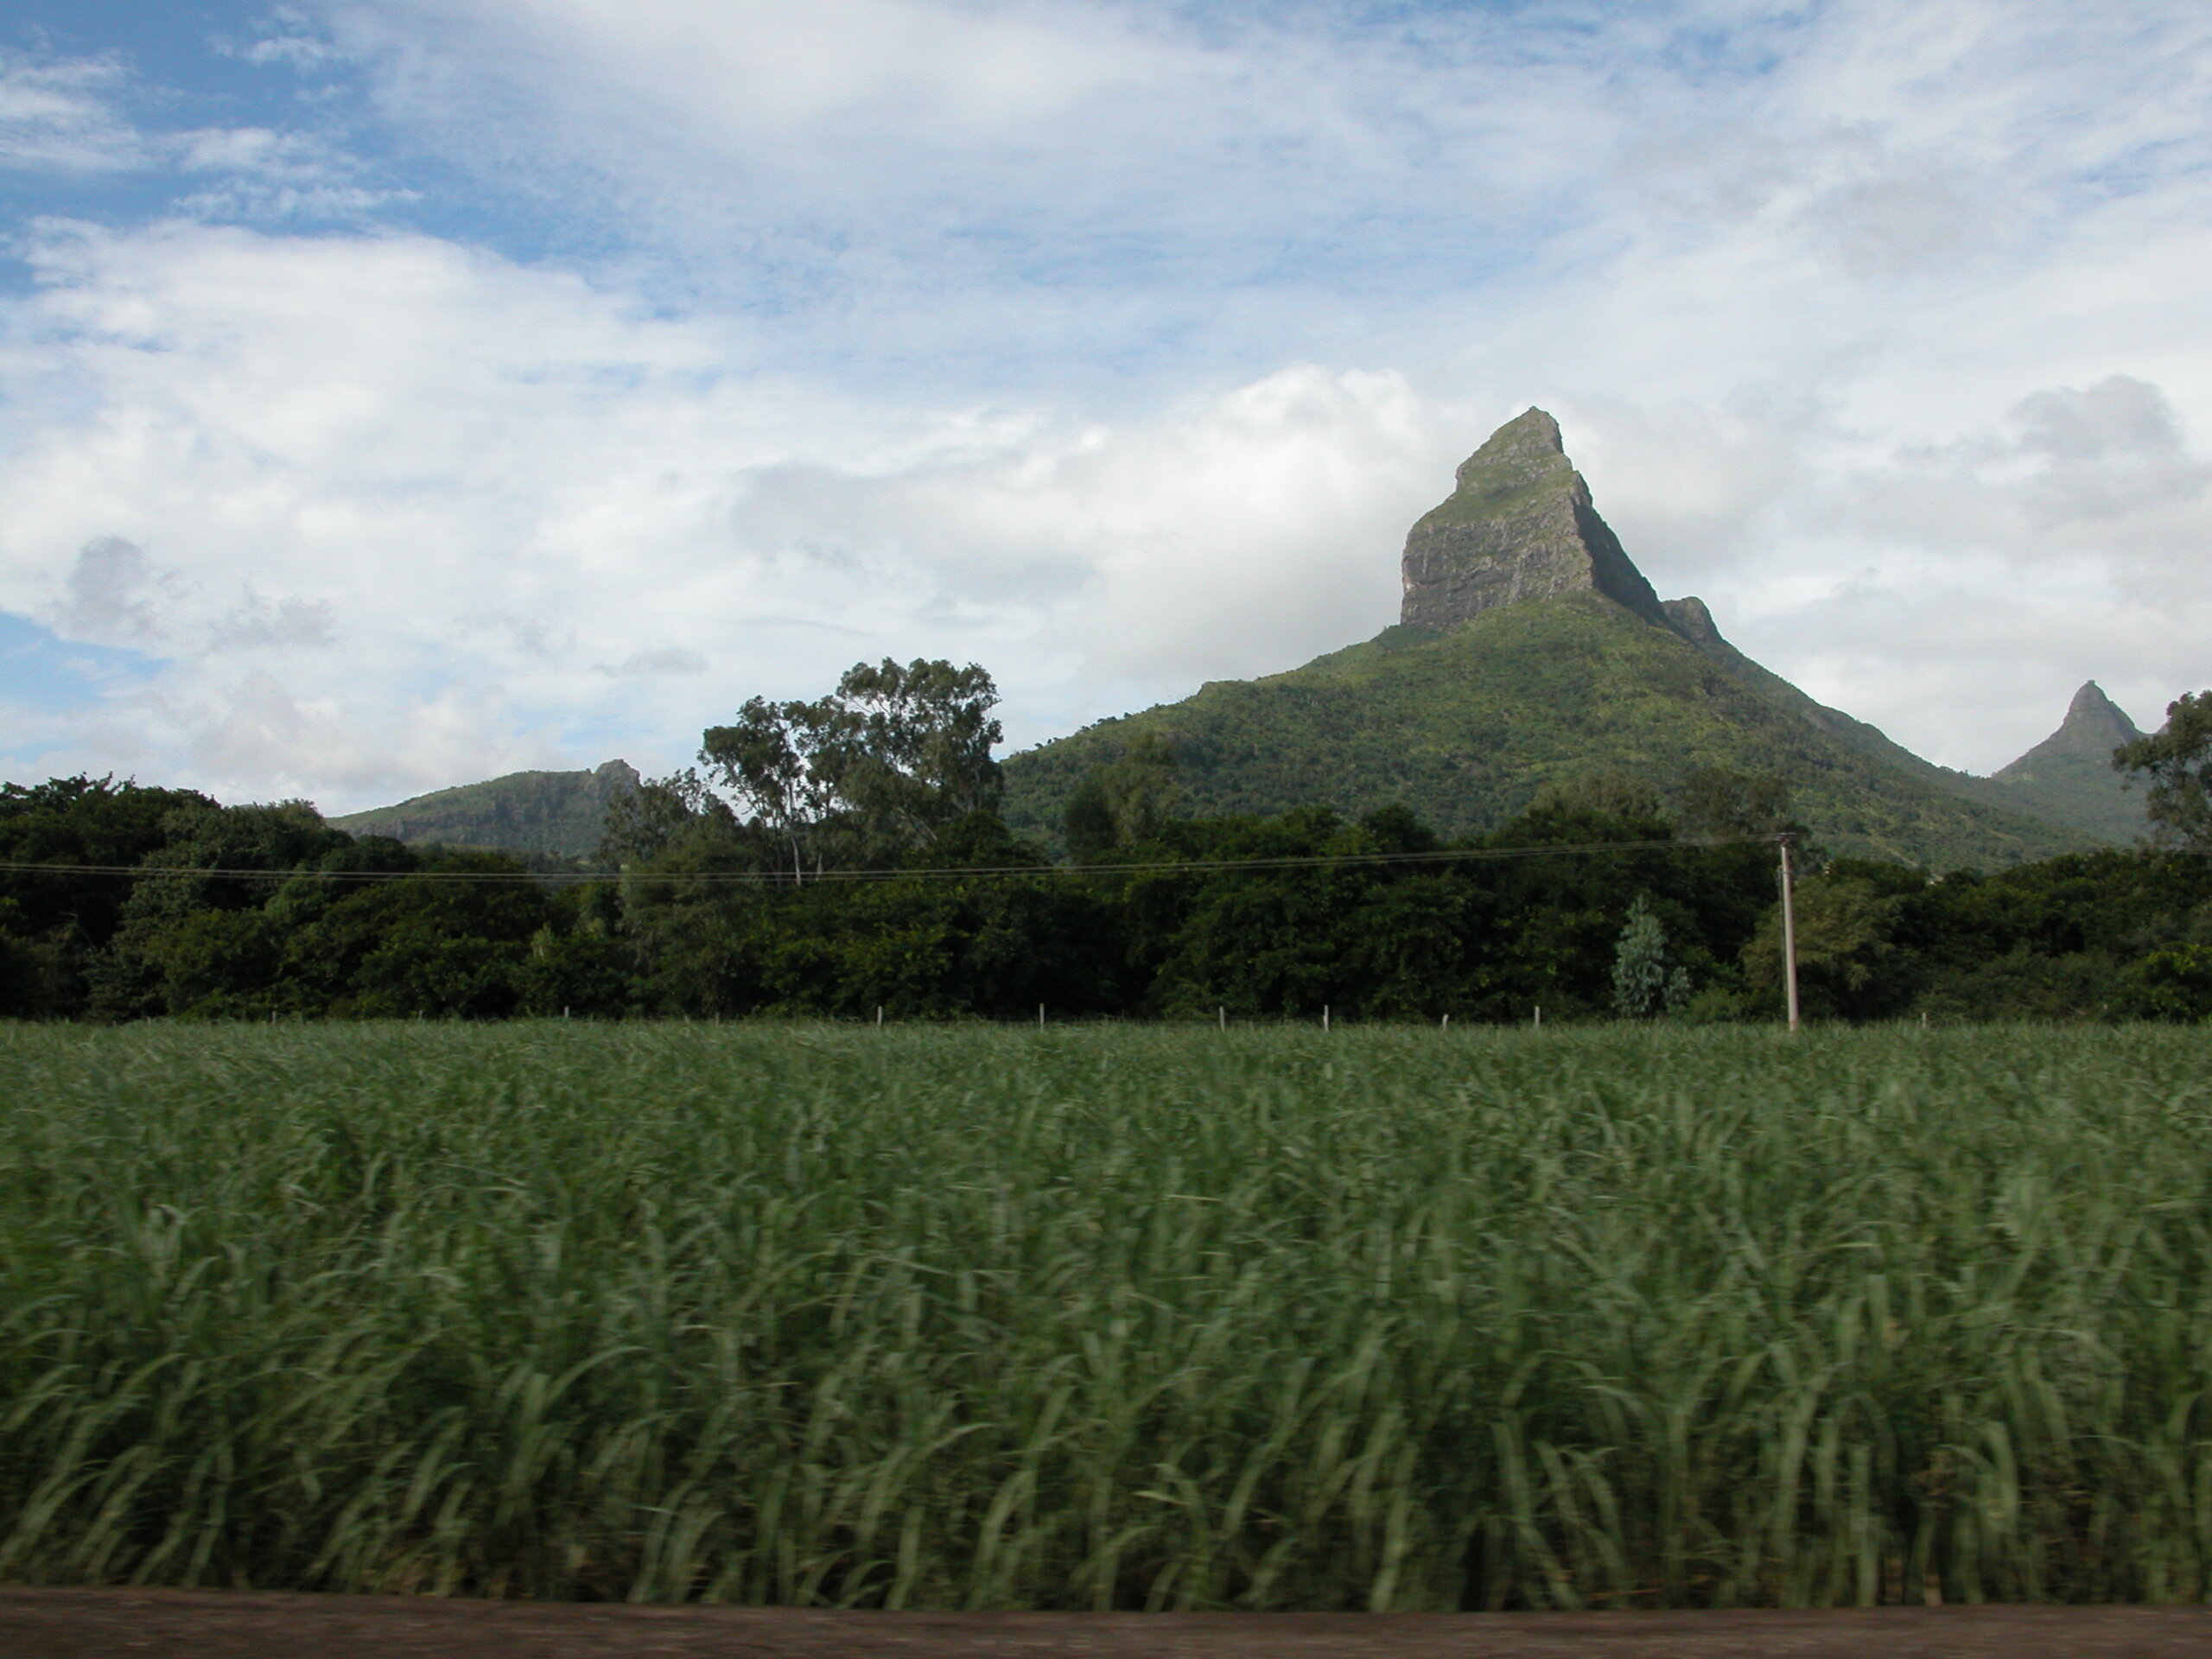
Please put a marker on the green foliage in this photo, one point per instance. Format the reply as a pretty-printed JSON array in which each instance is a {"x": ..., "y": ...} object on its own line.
[
  {"x": 777, "y": 759},
  {"x": 1466, "y": 728},
  {"x": 54, "y": 927},
  {"x": 2068, "y": 777},
  {"x": 1714, "y": 801},
  {"x": 1614, "y": 794},
  {"x": 661, "y": 814},
  {"x": 2172, "y": 983},
  {"x": 882, "y": 763},
  {"x": 2176, "y": 761},
  {"x": 917, "y": 755},
  {"x": 1109, "y": 1317},
  {"x": 1646, "y": 982},
  {"x": 2024, "y": 985},
  {"x": 251, "y": 912},
  {"x": 1503, "y": 479},
  {"x": 556, "y": 815},
  {"x": 1846, "y": 930},
  {"x": 1124, "y": 801}
]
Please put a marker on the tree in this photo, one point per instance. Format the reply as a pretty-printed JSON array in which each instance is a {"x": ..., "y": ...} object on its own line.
[
  {"x": 775, "y": 758},
  {"x": 1847, "y": 951},
  {"x": 54, "y": 925},
  {"x": 1713, "y": 801},
  {"x": 1125, "y": 801},
  {"x": 2175, "y": 984},
  {"x": 661, "y": 812},
  {"x": 2177, "y": 761},
  {"x": 1646, "y": 982},
  {"x": 912, "y": 749},
  {"x": 890, "y": 760},
  {"x": 79, "y": 821}
]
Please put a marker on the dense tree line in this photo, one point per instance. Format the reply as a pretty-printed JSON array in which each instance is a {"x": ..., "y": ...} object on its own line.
[{"x": 845, "y": 856}]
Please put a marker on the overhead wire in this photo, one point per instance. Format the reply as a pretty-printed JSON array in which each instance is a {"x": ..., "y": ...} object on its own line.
[{"x": 973, "y": 872}]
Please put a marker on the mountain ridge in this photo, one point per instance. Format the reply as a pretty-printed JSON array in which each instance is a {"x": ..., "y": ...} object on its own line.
[
  {"x": 1466, "y": 726},
  {"x": 1449, "y": 693},
  {"x": 1530, "y": 650},
  {"x": 2068, "y": 777},
  {"x": 558, "y": 813}
]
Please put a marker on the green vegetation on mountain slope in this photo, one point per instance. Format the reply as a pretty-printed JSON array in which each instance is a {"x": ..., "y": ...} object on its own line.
[
  {"x": 558, "y": 813},
  {"x": 1465, "y": 727},
  {"x": 2070, "y": 778}
]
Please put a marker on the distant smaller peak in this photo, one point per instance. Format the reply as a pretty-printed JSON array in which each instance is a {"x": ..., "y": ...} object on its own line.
[
  {"x": 1692, "y": 621},
  {"x": 2095, "y": 725},
  {"x": 2090, "y": 700},
  {"x": 2094, "y": 714}
]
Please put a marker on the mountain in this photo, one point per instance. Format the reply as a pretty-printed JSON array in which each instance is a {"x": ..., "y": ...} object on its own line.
[
  {"x": 1531, "y": 651},
  {"x": 1518, "y": 525},
  {"x": 2069, "y": 777},
  {"x": 555, "y": 812}
]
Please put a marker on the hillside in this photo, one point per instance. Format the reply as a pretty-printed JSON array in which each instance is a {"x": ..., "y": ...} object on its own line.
[
  {"x": 1694, "y": 623},
  {"x": 2069, "y": 777},
  {"x": 1531, "y": 651},
  {"x": 553, "y": 812},
  {"x": 1466, "y": 725}
]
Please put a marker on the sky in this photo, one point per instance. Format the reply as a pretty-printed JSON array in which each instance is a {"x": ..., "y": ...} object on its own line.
[{"x": 396, "y": 393}]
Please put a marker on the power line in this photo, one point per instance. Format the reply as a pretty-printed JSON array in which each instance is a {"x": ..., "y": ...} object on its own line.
[{"x": 972, "y": 872}]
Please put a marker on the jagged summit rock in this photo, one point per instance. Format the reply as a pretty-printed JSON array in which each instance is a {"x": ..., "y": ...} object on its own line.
[
  {"x": 2095, "y": 725},
  {"x": 1689, "y": 617},
  {"x": 1519, "y": 525}
]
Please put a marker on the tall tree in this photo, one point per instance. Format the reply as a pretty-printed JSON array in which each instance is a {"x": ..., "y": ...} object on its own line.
[
  {"x": 780, "y": 760},
  {"x": 2176, "y": 762},
  {"x": 890, "y": 760},
  {"x": 1646, "y": 980},
  {"x": 913, "y": 745},
  {"x": 1126, "y": 801},
  {"x": 643, "y": 823}
]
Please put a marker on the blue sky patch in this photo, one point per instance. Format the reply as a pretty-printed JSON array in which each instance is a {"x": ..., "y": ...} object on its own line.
[{"x": 43, "y": 672}]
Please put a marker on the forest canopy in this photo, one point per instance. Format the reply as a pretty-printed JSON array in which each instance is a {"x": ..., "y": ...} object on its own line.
[{"x": 846, "y": 855}]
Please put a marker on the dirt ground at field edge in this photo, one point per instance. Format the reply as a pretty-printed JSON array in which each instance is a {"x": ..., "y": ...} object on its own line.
[{"x": 55, "y": 1624}]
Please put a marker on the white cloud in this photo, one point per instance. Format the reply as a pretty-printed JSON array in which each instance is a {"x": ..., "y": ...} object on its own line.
[
  {"x": 59, "y": 116},
  {"x": 255, "y": 622},
  {"x": 110, "y": 594},
  {"x": 665, "y": 659},
  {"x": 1114, "y": 347},
  {"x": 456, "y": 491}
]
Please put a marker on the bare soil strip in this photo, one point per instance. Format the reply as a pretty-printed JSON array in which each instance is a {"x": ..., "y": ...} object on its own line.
[{"x": 46, "y": 1624}]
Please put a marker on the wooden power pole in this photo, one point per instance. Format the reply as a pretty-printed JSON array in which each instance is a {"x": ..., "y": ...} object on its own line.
[{"x": 1789, "y": 933}]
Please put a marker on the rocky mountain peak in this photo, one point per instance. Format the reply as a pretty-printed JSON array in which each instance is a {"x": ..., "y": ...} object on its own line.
[
  {"x": 2095, "y": 725},
  {"x": 1693, "y": 621},
  {"x": 1518, "y": 525},
  {"x": 2093, "y": 717}
]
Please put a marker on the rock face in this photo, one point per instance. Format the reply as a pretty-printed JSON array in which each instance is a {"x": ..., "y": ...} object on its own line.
[
  {"x": 1519, "y": 526},
  {"x": 2095, "y": 725}
]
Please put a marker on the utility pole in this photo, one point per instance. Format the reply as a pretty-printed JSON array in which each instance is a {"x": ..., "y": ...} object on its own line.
[{"x": 1789, "y": 932}]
